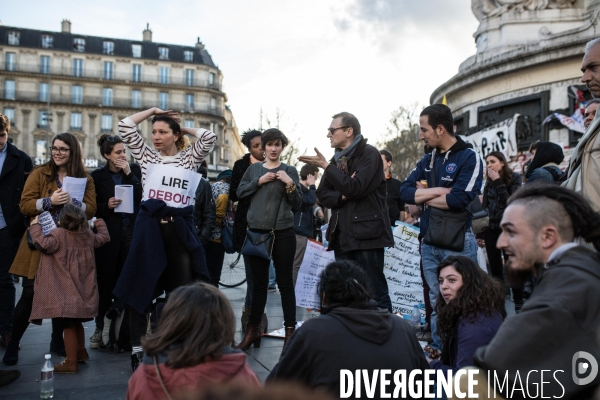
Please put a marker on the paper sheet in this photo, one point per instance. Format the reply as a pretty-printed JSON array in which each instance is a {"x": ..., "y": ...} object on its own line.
[
  {"x": 125, "y": 194},
  {"x": 75, "y": 187},
  {"x": 47, "y": 222},
  {"x": 315, "y": 260}
]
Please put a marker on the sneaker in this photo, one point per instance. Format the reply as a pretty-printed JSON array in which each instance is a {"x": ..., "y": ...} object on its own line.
[
  {"x": 424, "y": 337},
  {"x": 96, "y": 339}
]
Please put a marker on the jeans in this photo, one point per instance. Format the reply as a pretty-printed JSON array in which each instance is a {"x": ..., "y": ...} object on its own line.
[
  {"x": 371, "y": 261},
  {"x": 432, "y": 256},
  {"x": 284, "y": 248},
  {"x": 215, "y": 254},
  {"x": 272, "y": 276},
  {"x": 8, "y": 250}
]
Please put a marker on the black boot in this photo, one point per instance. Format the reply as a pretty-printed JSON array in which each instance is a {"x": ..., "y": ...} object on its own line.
[{"x": 11, "y": 355}]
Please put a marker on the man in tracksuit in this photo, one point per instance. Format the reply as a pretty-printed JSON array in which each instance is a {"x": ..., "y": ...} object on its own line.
[{"x": 458, "y": 178}]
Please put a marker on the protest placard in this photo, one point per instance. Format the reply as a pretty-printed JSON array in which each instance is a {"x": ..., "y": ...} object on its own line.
[
  {"x": 46, "y": 222},
  {"x": 500, "y": 137},
  {"x": 175, "y": 186},
  {"x": 315, "y": 260}
]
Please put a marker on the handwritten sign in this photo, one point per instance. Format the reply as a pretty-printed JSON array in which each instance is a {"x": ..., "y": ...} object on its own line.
[
  {"x": 175, "y": 186},
  {"x": 402, "y": 269},
  {"x": 316, "y": 258},
  {"x": 501, "y": 137}
]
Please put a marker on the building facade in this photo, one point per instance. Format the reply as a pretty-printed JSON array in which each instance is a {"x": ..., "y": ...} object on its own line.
[{"x": 53, "y": 82}]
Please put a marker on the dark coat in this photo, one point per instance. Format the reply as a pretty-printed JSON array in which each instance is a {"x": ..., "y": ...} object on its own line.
[
  {"x": 358, "y": 337},
  {"x": 106, "y": 256},
  {"x": 240, "y": 222},
  {"x": 15, "y": 170},
  {"x": 303, "y": 218},
  {"x": 560, "y": 319},
  {"x": 204, "y": 211},
  {"x": 147, "y": 259},
  {"x": 495, "y": 197},
  {"x": 362, "y": 221},
  {"x": 395, "y": 205}
]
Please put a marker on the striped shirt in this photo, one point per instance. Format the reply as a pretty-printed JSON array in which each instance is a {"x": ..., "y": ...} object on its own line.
[{"x": 189, "y": 158}]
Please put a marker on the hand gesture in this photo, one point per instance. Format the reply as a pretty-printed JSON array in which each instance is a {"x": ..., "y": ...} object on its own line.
[
  {"x": 266, "y": 178},
  {"x": 168, "y": 113},
  {"x": 113, "y": 202},
  {"x": 97, "y": 221},
  {"x": 124, "y": 165},
  {"x": 59, "y": 198},
  {"x": 493, "y": 175},
  {"x": 284, "y": 177},
  {"x": 36, "y": 220},
  {"x": 318, "y": 160},
  {"x": 311, "y": 179}
]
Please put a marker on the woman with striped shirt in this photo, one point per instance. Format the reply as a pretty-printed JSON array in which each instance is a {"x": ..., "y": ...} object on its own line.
[{"x": 165, "y": 251}]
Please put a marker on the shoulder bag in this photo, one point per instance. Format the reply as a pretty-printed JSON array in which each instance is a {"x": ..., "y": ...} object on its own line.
[
  {"x": 227, "y": 235},
  {"x": 480, "y": 216}
]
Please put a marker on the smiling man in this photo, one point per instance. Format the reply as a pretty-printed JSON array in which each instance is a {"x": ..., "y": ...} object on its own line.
[{"x": 562, "y": 317}]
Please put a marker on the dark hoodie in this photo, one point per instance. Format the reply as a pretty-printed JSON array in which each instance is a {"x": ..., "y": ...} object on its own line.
[
  {"x": 358, "y": 337},
  {"x": 546, "y": 153}
]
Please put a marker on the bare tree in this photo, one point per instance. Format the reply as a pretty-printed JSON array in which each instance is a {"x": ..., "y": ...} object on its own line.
[
  {"x": 402, "y": 140},
  {"x": 280, "y": 120}
]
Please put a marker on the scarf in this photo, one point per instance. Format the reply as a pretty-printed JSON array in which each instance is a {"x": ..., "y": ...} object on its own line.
[{"x": 341, "y": 157}]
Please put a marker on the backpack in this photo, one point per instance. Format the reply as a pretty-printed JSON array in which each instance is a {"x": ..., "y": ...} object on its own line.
[{"x": 558, "y": 177}]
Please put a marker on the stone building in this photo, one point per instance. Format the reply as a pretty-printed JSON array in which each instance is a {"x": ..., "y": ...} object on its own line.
[
  {"x": 528, "y": 62},
  {"x": 54, "y": 82}
]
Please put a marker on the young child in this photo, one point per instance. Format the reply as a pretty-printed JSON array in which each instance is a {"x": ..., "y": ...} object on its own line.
[{"x": 65, "y": 284}]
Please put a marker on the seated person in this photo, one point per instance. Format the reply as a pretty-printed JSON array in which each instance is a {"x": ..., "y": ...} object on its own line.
[
  {"x": 192, "y": 347},
  {"x": 470, "y": 310},
  {"x": 352, "y": 333}
]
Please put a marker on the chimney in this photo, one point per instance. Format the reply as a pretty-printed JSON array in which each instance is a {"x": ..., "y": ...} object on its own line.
[
  {"x": 65, "y": 26},
  {"x": 199, "y": 44},
  {"x": 147, "y": 34}
]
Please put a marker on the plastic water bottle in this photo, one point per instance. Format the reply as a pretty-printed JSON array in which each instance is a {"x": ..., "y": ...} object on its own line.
[
  {"x": 47, "y": 379},
  {"x": 416, "y": 317}
]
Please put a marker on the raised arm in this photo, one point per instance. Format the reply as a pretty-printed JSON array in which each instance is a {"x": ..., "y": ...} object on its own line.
[{"x": 202, "y": 147}]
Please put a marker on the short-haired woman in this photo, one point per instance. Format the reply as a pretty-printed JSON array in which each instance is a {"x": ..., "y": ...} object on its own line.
[
  {"x": 192, "y": 347},
  {"x": 273, "y": 189}
]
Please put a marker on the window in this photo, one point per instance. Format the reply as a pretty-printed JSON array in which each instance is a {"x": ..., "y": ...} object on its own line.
[
  {"x": 9, "y": 90},
  {"x": 163, "y": 100},
  {"x": 40, "y": 150},
  {"x": 13, "y": 38},
  {"x": 107, "y": 97},
  {"x": 44, "y": 95},
  {"x": 188, "y": 56},
  {"x": 136, "y": 50},
  {"x": 79, "y": 45},
  {"x": 106, "y": 124},
  {"x": 47, "y": 41},
  {"x": 136, "y": 75},
  {"x": 211, "y": 78},
  {"x": 213, "y": 104},
  {"x": 77, "y": 67},
  {"x": 44, "y": 64},
  {"x": 76, "y": 121},
  {"x": 108, "y": 47},
  {"x": 107, "y": 70},
  {"x": 163, "y": 53},
  {"x": 164, "y": 75},
  {"x": 136, "y": 99},
  {"x": 189, "y": 77},
  {"x": 76, "y": 94},
  {"x": 10, "y": 114},
  {"x": 188, "y": 123},
  {"x": 43, "y": 118},
  {"x": 189, "y": 102},
  {"x": 11, "y": 61}
]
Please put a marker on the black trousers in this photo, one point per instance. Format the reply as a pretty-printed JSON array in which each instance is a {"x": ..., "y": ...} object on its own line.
[
  {"x": 495, "y": 258},
  {"x": 284, "y": 248},
  {"x": 215, "y": 254}
]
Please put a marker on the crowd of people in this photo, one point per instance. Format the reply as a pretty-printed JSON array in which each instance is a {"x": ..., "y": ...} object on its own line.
[{"x": 542, "y": 241}]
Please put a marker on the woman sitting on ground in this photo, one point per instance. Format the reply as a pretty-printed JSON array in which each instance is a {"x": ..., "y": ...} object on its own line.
[
  {"x": 192, "y": 347},
  {"x": 470, "y": 310}
]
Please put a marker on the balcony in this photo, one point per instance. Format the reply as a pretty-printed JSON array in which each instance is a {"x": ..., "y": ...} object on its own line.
[
  {"x": 36, "y": 68},
  {"x": 96, "y": 101}
]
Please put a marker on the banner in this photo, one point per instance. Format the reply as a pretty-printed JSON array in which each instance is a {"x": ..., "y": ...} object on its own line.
[
  {"x": 574, "y": 122},
  {"x": 175, "y": 186},
  {"x": 401, "y": 266},
  {"x": 500, "y": 137}
]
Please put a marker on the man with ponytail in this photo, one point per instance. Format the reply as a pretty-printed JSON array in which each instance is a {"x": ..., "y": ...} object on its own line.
[{"x": 561, "y": 320}]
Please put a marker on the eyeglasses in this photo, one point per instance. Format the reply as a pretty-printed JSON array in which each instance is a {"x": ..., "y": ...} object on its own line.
[
  {"x": 115, "y": 138},
  {"x": 60, "y": 151},
  {"x": 332, "y": 130}
]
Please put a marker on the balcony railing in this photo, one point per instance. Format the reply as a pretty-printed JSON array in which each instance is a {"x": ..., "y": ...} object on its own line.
[
  {"x": 96, "y": 101},
  {"x": 36, "y": 68}
]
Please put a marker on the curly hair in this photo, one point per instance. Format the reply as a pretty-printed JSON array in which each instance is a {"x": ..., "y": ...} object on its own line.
[
  {"x": 342, "y": 283},
  {"x": 479, "y": 294}
]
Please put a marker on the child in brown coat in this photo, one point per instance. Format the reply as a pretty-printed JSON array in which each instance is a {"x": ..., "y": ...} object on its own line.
[{"x": 65, "y": 283}]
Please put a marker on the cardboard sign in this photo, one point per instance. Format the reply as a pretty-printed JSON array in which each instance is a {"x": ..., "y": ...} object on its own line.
[
  {"x": 316, "y": 258},
  {"x": 175, "y": 186},
  {"x": 501, "y": 137}
]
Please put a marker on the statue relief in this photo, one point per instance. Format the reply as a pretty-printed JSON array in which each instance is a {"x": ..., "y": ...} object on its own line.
[{"x": 491, "y": 8}]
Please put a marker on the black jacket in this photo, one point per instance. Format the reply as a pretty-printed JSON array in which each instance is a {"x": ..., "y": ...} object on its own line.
[
  {"x": 240, "y": 222},
  {"x": 106, "y": 256},
  {"x": 395, "y": 205},
  {"x": 362, "y": 221},
  {"x": 560, "y": 319},
  {"x": 303, "y": 218},
  {"x": 15, "y": 170},
  {"x": 358, "y": 337},
  {"x": 204, "y": 211},
  {"x": 495, "y": 197}
]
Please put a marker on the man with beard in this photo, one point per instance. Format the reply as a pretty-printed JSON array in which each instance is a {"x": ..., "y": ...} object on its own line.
[{"x": 557, "y": 329}]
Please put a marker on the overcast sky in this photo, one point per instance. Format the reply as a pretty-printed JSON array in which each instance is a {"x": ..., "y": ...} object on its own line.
[{"x": 309, "y": 58}]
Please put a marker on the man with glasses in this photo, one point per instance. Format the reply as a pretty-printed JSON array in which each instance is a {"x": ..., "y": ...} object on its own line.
[
  {"x": 354, "y": 188},
  {"x": 15, "y": 165}
]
